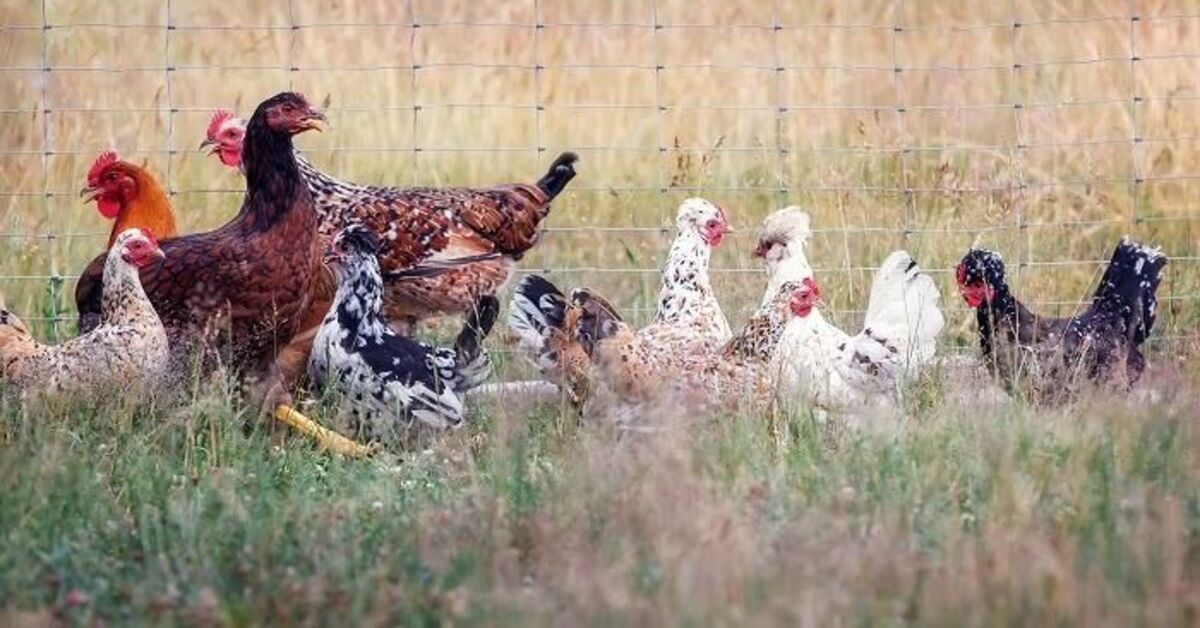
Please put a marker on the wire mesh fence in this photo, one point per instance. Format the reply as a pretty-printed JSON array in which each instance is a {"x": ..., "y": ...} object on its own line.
[{"x": 1043, "y": 130}]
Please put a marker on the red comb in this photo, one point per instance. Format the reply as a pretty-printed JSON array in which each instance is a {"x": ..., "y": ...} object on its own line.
[
  {"x": 103, "y": 160},
  {"x": 960, "y": 274},
  {"x": 218, "y": 119}
]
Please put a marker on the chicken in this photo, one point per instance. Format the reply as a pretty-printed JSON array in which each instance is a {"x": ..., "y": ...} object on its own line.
[
  {"x": 1049, "y": 359},
  {"x": 743, "y": 373},
  {"x": 128, "y": 349},
  {"x": 413, "y": 224},
  {"x": 391, "y": 382},
  {"x": 575, "y": 342},
  {"x": 133, "y": 199},
  {"x": 242, "y": 289},
  {"x": 827, "y": 366},
  {"x": 129, "y": 196}
]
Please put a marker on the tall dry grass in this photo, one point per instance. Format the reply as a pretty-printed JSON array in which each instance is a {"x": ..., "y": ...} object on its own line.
[{"x": 1010, "y": 123}]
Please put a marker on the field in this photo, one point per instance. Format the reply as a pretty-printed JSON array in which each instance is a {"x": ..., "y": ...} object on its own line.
[{"x": 1045, "y": 130}]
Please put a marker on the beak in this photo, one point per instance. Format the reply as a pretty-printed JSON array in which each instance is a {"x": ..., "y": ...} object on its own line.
[
  {"x": 315, "y": 121},
  {"x": 208, "y": 141},
  {"x": 89, "y": 194}
]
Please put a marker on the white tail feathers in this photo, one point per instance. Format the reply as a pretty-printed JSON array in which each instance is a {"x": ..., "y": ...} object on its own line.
[
  {"x": 904, "y": 307},
  {"x": 900, "y": 331}
]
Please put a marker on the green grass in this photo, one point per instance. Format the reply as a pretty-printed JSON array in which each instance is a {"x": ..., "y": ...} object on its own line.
[{"x": 959, "y": 512}]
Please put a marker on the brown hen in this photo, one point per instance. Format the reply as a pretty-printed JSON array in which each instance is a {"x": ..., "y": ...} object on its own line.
[{"x": 242, "y": 289}]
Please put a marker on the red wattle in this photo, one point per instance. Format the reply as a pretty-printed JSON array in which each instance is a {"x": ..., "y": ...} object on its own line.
[
  {"x": 232, "y": 158},
  {"x": 109, "y": 208},
  {"x": 715, "y": 236}
]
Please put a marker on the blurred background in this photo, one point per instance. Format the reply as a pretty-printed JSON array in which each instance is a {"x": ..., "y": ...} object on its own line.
[{"x": 1045, "y": 130}]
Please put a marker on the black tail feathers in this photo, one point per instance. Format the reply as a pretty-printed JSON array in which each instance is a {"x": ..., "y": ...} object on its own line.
[
  {"x": 559, "y": 175},
  {"x": 545, "y": 298},
  {"x": 1130, "y": 283},
  {"x": 478, "y": 325}
]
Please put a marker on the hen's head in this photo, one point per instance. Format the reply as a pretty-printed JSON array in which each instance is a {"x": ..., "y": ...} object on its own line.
[
  {"x": 703, "y": 217},
  {"x": 979, "y": 276},
  {"x": 351, "y": 247},
  {"x": 805, "y": 297},
  {"x": 111, "y": 183},
  {"x": 138, "y": 247},
  {"x": 224, "y": 137},
  {"x": 289, "y": 113},
  {"x": 783, "y": 232}
]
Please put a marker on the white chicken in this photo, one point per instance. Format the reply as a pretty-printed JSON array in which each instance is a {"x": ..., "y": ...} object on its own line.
[
  {"x": 830, "y": 368},
  {"x": 127, "y": 349}
]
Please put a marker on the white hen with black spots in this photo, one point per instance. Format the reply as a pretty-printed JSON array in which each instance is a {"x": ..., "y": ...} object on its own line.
[{"x": 390, "y": 382}]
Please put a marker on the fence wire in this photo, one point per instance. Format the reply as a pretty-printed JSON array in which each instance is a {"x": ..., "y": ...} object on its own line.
[{"x": 1043, "y": 131}]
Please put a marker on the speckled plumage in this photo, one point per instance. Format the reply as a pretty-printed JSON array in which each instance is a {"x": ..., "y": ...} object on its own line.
[
  {"x": 127, "y": 350},
  {"x": 390, "y": 382},
  {"x": 1049, "y": 359},
  {"x": 420, "y": 223},
  {"x": 744, "y": 370},
  {"x": 582, "y": 341}
]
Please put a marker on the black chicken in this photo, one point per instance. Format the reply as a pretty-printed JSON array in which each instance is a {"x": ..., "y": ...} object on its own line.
[{"x": 1047, "y": 359}]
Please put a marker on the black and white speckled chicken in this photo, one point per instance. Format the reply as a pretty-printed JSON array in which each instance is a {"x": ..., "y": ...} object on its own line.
[
  {"x": 1047, "y": 359},
  {"x": 391, "y": 382},
  {"x": 128, "y": 347}
]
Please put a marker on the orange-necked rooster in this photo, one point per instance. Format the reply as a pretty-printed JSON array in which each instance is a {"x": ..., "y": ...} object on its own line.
[
  {"x": 128, "y": 348},
  {"x": 580, "y": 341},
  {"x": 129, "y": 196},
  {"x": 1048, "y": 359},
  {"x": 498, "y": 225},
  {"x": 132, "y": 198}
]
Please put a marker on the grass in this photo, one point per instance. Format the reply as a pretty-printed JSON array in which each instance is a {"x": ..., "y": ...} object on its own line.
[
  {"x": 960, "y": 512},
  {"x": 961, "y": 509}
]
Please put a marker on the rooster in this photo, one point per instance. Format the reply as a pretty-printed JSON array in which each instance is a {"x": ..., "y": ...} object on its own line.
[
  {"x": 243, "y": 288},
  {"x": 390, "y": 381},
  {"x": 127, "y": 348},
  {"x": 575, "y": 341},
  {"x": 498, "y": 224},
  {"x": 132, "y": 198},
  {"x": 1046, "y": 359},
  {"x": 129, "y": 196},
  {"x": 829, "y": 367}
]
